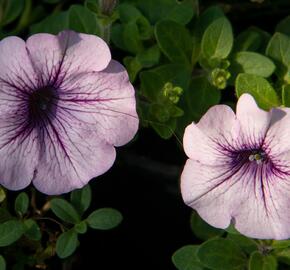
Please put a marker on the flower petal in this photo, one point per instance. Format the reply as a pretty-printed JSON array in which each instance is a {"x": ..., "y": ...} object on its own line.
[
  {"x": 105, "y": 101},
  {"x": 252, "y": 199},
  {"x": 71, "y": 156},
  {"x": 254, "y": 121},
  {"x": 19, "y": 153},
  {"x": 202, "y": 140},
  {"x": 277, "y": 138},
  {"x": 15, "y": 65},
  {"x": 54, "y": 57}
]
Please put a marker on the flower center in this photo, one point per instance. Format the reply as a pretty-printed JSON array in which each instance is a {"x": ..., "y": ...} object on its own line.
[
  {"x": 42, "y": 102},
  {"x": 258, "y": 156}
]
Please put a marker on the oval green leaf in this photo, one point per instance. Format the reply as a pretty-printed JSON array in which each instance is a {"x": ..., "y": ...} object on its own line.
[
  {"x": 83, "y": 20},
  {"x": 279, "y": 50},
  {"x": 64, "y": 210},
  {"x": 11, "y": 10},
  {"x": 32, "y": 230},
  {"x": 185, "y": 258},
  {"x": 259, "y": 88},
  {"x": 10, "y": 232},
  {"x": 66, "y": 244},
  {"x": 201, "y": 229},
  {"x": 252, "y": 63},
  {"x": 259, "y": 261},
  {"x": 174, "y": 41},
  {"x": 217, "y": 40},
  {"x": 21, "y": 203},
  {"x": 221, "y": 254},
  {"x": 81, "y": 199},
  {"x": 104, "y": 219}
]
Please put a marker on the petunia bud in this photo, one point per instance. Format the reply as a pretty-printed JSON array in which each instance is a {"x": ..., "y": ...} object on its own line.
[
  {"x": 107, "y": 6},
  {"x": 219, "y": 78},
  {"x": 171, "y": 92}
]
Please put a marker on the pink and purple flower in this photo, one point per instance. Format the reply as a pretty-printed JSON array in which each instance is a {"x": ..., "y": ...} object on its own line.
[
  {"x": 64, "y": 105},
  {"x": 239, "y": 169}
]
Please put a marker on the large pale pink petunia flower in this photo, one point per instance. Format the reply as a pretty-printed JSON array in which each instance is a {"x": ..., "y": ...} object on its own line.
[
  {"x": 239, "y": 169},
  {"x": 64, "y": 105}
]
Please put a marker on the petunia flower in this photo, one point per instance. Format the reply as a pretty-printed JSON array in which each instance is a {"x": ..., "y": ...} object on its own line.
[
  {"x": 239, "y": 169},
  {"x": 64, "y": 105}
]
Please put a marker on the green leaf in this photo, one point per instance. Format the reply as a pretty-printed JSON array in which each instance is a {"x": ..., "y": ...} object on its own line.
[
  {"x": 11, "y": 9},
  {"x": 185, "y": 258},
  {"x": 208, "y": 17},
  {"x": 104, "y": 219},
  {"x": 64, "y": 210},
  {"x": 4, "y": 215},
  {"x": 32, "y": 230},
  {"x": 92, "y": 5},
  {"x": 66, "y": 244},
  {"x": 259, "y": 88},
  {"x": 149, "y": 57},
  {"x": 21, "y": 203},
  {"x": 286, "y": 95},
  {"x": 131, "y": 15},
  {"x": 196, "y": 100},
  {"x": 262, "y": 262},
  {"x": 83, "y": 20},
  {"x": 246, "y": 244},
  {"x": 128, "y": 13},
  {"x": 117, "y": 36},
  {"x": 10, "y": 232},
  {"x": 252, "y": 39},
  {"x": 231, "y": 229},
  {"x": 2, "y": 263},
  {"x": 283, "y": 255},
  {"x": 217, "y": 40},
  {"x": 133, "y": 67},
  {"x": 144, "y": 59},
  {"x": 81, "y": 199},
  {"x": 52, "y": 24},
  {"x": 279, "y": 50},
  {"x": 181, "y": 12},
  {"x": 284, "y": 26},
  {"x": 174, "y": 41},
  {"x": 202, "y": 229},
  {"x": 248, "y": 40},
  {"x": 131, "y": 39},
  {"x": 2, "y": 194},
  {"x": 276, "y": 244},
  {"x": 221, "y": 254},
  {"x": 166, "y": 129},
  {"x": 81, "y": 227},
  {"x": 252, "y": 63}
]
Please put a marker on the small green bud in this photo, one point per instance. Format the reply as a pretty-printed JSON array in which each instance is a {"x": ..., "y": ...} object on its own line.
[
  {"x": 219, "y": 78},
  {"x": 171, "y": 92},
  {"x": 107, "y": 6}
]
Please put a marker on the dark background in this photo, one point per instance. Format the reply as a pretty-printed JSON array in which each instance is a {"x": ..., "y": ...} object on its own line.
[{"x": 144, "y": 185}]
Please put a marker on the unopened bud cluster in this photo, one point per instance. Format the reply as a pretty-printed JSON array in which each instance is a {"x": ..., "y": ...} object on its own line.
[{"x": 172, "y": 92}]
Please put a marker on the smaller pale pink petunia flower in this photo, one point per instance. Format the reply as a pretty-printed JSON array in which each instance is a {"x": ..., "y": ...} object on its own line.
[
  {"x": 239, "y": 169},
  {"x": 64, "y": 105}
]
